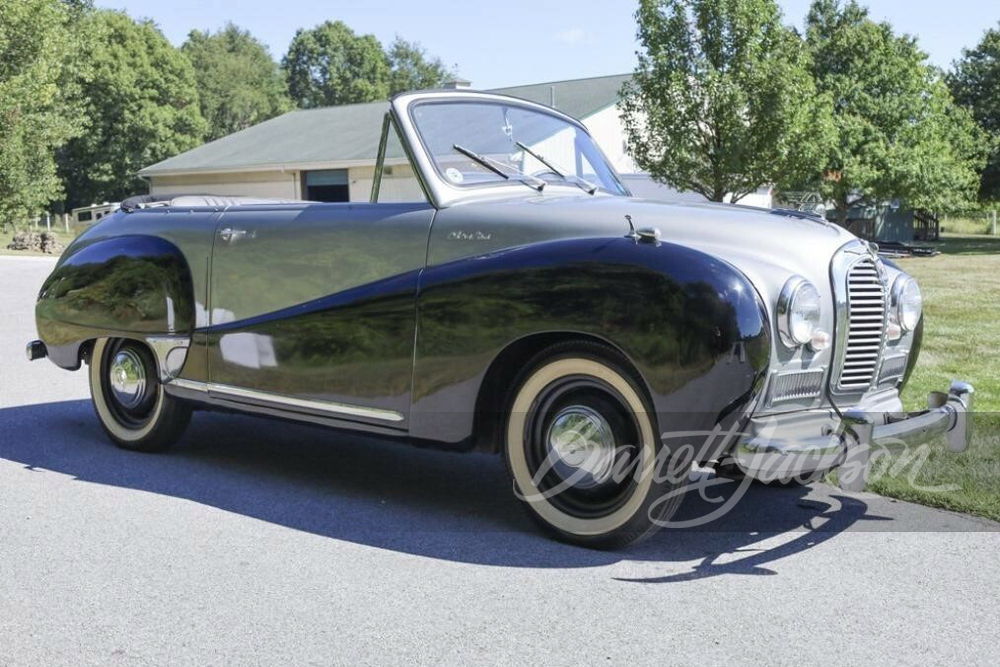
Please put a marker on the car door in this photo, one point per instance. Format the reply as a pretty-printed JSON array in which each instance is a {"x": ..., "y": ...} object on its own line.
[{"x": 312, "y": 307}]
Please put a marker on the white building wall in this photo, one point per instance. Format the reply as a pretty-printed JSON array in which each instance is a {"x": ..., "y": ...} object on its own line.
[
  {"x": 360, "y": 182},
  {"x": 267, "y": 184},
  {"x": 399, "y": 184},
  {"x": 609, "y": 132}
]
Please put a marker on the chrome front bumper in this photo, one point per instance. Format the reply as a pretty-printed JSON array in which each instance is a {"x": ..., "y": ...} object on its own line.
[{"x": 797, "y": 444}]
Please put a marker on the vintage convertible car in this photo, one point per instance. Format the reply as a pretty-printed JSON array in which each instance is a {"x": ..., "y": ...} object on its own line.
[{"x": 503, "y": 292}]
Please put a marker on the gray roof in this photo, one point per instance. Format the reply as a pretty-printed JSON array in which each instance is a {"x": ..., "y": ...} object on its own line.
[
  {"x": 350, "y": 134},
  {"x": 578, "y": 98}
]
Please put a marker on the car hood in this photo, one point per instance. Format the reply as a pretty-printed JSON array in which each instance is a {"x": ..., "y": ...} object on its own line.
[
  {"x": 740, "y": 235},
  {"x": 767, "y": 247}
]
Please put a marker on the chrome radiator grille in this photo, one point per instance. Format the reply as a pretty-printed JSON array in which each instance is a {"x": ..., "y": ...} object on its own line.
[{"x": 866, "y": 303}]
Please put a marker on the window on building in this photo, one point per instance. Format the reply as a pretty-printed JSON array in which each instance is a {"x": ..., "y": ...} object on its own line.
[
  {"x": 329, "y": 185},
  {"x": 84, "y": 216}
]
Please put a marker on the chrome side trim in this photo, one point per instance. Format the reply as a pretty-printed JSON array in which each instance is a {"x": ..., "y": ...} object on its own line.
[
  {"x": 190, "y": 385},
  {"x": 249, "y": 395}
]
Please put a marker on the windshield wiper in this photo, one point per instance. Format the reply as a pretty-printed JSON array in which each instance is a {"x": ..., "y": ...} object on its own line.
[
  {"x": 589, "y": 187},
  {"x": 497, "y": 168}
]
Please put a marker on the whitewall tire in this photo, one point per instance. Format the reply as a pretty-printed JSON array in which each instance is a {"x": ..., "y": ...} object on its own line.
[
  {"x": 583, "y": 450},
  {"x": 129, "y": 400}
]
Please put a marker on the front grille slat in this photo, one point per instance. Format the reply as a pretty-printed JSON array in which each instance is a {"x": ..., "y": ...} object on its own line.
[
  {"x": 796, "y": 386},
  {"x": 866, "y": 304}
]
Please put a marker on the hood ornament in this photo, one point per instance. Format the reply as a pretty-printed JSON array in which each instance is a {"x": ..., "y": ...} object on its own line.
[
  {"x": 632, "y": 234},
  {"x": 644, "y": 235}
]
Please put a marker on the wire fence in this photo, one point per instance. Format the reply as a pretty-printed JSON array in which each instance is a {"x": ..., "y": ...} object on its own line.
[
  {"x": 62, "y": 224},
  {"x": 973, "y": 221}
]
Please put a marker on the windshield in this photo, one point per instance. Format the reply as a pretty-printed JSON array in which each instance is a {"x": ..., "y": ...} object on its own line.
[{"x": 482, "y": 143}]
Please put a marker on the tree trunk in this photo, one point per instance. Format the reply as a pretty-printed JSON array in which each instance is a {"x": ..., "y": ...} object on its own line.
[{"x": 842, "y": 210}]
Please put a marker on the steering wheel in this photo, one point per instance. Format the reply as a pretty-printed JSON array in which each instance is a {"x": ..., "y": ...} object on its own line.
[{"x": 543, "y": 172}]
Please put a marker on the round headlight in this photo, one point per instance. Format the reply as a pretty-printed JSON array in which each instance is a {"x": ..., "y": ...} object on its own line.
[
  {"x": 908, "y": 302},
  {"x": 798, "y": 312}
]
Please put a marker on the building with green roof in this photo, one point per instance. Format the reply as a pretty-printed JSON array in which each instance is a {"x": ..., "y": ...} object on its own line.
[{"x": 328, "y": 154}]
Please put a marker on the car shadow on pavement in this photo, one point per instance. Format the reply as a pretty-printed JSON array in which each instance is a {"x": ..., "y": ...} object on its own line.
[{"x": 456, "y": 507}]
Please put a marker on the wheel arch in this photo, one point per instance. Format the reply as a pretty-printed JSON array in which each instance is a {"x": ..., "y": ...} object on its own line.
[{"x": 497, "y": 383}]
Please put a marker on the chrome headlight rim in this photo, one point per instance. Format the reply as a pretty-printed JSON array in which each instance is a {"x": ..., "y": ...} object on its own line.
[
  {"x": 793, "y": 289},
  {"x": 900, "y": 299}
]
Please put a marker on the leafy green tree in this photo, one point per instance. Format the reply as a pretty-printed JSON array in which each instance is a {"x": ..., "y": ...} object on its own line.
[
  {"x": 330, "y": 65},
  {"x": 239, "y": 84},
  {"x": 141, "y": 106},
  {"x": 412, "y": 69},
  {"x": 975, "y": 84},
  {"x": 35, "y": 115},
  {"x": 898, "y": 133},
  {"x": 722, "y": 101}
]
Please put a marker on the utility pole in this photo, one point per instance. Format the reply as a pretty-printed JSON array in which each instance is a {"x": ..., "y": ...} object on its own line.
[{"x": 994, "y": 222}]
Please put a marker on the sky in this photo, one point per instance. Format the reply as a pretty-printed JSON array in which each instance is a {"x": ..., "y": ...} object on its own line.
[{"x": 513, "y": 42}]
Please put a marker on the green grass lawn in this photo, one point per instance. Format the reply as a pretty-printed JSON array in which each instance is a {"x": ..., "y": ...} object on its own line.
[
  {"x": 961, "y": 289},
  {"x": 981, "y": 223}
]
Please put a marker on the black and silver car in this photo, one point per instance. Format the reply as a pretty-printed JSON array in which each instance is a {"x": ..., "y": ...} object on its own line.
[{"x": 503, "y": 292}]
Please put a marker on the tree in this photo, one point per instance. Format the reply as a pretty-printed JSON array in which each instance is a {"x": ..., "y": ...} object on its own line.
[
  {"x": 722, "y": 101},
  {"x": 140, "y": 103},
  {"x": 330, "y": 65},
  {"x": 35, "y": 115},
  {"x": 898, "y": 134},
  {"x": 412, "y": 69},
  {"x": 975, "y": 84},
  {"x": 239, "y": 84}
]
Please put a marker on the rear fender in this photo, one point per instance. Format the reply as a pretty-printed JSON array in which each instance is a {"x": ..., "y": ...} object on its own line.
[{"x": 127, "y": 286}]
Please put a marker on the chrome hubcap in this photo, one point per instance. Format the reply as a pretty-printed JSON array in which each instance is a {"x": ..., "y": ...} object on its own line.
[
  {"x": 128, "y": 379},
  {"x": 581, "y": 446}
]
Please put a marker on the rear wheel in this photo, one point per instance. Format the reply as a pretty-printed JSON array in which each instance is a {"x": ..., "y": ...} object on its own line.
[
  {"x": 135, "y": 411},
  {"x": 583, "y": 451}
]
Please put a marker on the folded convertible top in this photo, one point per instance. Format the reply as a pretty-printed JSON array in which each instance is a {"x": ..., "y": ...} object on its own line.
[{"x": 149, "y": 201}]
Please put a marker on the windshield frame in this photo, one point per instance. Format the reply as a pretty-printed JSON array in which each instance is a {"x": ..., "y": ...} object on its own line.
[{"x": 444, "y": 193}]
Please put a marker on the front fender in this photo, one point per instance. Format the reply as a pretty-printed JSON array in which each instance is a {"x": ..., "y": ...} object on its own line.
[
  {"x": 126, "y": 286},
  {"x": 693, "y": 326}
]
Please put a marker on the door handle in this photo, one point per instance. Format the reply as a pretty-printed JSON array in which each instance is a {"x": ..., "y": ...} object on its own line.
[{"x": 229, "y": 235}]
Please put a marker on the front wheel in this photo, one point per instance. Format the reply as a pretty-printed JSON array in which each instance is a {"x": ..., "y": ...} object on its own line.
[
  {"x": 135, "y": 411},
  {"x": 583, "y": 449}
]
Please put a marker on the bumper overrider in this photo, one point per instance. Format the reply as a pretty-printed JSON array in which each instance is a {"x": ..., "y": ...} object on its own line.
[{"x": 795, "y": 445}]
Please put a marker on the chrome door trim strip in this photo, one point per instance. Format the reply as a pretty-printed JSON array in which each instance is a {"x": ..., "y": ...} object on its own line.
[
  {"x": 190, "y": 385},
  {"x": 278, "y": 400}
]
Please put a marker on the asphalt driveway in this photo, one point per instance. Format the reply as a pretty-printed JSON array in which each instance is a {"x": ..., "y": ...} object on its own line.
[{"x": 258, "y": 542}]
